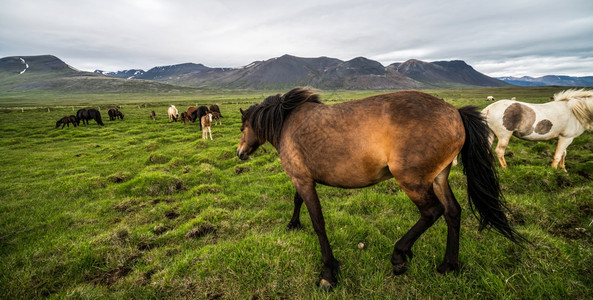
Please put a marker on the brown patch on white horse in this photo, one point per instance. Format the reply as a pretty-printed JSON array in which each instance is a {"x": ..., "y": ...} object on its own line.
[
  {"x": 543, "y": 127},
  {"x": 519, "y": 119}
]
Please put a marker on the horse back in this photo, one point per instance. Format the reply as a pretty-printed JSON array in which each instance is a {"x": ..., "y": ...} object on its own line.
[{"x": 373, "y": 137}]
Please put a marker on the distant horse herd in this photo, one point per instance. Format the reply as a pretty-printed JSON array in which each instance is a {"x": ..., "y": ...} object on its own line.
[{"x": 205, "y": 115}]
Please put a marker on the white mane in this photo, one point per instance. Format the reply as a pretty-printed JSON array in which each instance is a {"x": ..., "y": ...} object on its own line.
[{"x": 581, "y": 104}]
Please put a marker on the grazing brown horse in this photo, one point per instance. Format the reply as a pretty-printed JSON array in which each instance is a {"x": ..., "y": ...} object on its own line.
[
  {"x": 184, "y": 117},
  {"x": 153, "y": 115},
  {"x": 413, "y": 138}
]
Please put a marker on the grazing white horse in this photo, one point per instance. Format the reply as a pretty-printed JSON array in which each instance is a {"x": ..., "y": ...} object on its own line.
[
  {"x": 173, "y": 113},
  {"x": 206, "y": 126},
  {"x": 565, "y": 118},
  {"x": 490, "y": 98}
]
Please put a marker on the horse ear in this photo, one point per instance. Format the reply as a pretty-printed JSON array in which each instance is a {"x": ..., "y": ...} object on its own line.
[{"x": 242, "y": 112}]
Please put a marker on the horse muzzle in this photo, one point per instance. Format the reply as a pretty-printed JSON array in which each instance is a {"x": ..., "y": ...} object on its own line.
[{"x": 242, "y": 154}]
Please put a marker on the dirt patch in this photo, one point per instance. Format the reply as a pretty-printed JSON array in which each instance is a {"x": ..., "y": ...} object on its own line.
[
  {"x": 111, "y": 276},
  {"x": 200, "y": 231},
  {"x": 127, "y": 206},
  {"x": 119, "y": 177},
  {"x": 160, "y": 229},
  {"x": 570, "y": 230},
  {"x": 171, "y": 215},
  {"x": 241, "y": 169}
]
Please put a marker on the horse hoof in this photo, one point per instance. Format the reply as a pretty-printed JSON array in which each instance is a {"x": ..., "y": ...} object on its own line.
[
  {"x": 326, "y": 285},
  {"x": 399, "y": 269},
  {"x": 447, "y": 267},
  {"x": 294, "y": 226}
]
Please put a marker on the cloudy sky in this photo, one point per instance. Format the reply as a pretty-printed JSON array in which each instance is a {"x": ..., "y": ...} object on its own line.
[{"x": 497, "y": 38}]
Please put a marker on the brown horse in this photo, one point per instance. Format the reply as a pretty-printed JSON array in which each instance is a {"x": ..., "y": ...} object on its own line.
[
  {"x": 413, "y": 138},
  {"x": 184, "y": 117},
  {"x": 216, "y": 118}
]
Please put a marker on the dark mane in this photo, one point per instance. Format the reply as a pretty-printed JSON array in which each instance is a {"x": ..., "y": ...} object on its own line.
[{"x": 268, "y": 117}]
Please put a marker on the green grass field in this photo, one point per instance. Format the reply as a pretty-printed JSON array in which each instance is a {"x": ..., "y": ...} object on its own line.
[{"x": 147, "y": 209}]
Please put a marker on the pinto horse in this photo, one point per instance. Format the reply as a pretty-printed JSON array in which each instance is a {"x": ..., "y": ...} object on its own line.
[
  {"x": 413, "y": 138},
  {"x": 206, "y": 123},
  {"x": 565, "y": 118},
  {"x": 173, "y": 113}
]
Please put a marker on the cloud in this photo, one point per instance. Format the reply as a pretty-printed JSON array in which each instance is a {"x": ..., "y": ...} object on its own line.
[{"x": 535, "y": 37}]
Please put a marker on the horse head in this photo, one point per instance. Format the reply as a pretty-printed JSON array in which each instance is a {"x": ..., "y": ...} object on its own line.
[{"x": 250, "y": 140}]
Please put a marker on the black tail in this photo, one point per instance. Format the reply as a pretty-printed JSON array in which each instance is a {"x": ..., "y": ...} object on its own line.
[{"x": 483, "y": 189}]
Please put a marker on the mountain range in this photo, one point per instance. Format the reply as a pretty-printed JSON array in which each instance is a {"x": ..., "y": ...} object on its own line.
[
  {"x": 47, "y": 72},
  {"x": 586, "y": 81},
  {"x": 322, "y": 72}
]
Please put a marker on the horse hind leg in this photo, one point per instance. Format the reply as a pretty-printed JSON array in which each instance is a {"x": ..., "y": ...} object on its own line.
[
  {"x": 503, "y": 142},
  {"x": 452, "y": 216},
  {"x": 430, "y": 208}
]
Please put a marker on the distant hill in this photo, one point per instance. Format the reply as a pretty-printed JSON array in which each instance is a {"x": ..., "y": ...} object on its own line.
[
  {"x": 586, "y": 81},
  {"x": 47, "y": 72},
  {"x": 445, "y": 73},
  {"x": 322, "y": 72}
]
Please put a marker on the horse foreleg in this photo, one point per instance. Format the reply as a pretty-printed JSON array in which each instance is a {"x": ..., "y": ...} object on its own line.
[
  {"x": 295, "y": 221},
  {"x": 561, "y": 152},
  {"x": 430, "y": 210},
  {"x": 330, "y": 264},
  {"x": 210, "y": 132},
  {"x": 452, "y": 217}
]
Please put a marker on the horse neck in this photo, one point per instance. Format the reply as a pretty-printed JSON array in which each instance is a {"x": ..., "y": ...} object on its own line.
[{"x": 582, "y": 109}]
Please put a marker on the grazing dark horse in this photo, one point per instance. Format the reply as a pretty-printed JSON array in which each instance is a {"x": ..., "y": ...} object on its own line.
[
  {"x": 74, "y": 120},
  {"x": 153, "y": 115},
  {"x": 89, "y": 114},
  {"x": 198, "y": 114},
  {"x": 65, "y": 121},
  {"x": 216, "y": 118},
  {"x": 215, "y": 108},
  {"x": 114, "y": 113},
  {"x": 413, "y": 137}
]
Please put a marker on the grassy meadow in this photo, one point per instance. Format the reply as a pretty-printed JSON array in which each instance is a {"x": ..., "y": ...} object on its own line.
[{"x": 147, "y": 209}]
